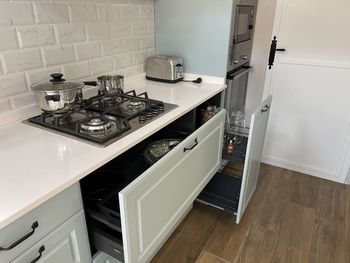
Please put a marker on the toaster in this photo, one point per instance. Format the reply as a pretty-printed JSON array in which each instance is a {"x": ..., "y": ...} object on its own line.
[{"x": 168, "y": 69}]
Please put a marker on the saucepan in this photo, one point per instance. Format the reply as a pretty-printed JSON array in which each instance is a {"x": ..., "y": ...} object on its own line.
[
  {"x": 111, "y": 84},
  {"x": 58, "y": 95},
  {"x": 156, "y": 150}
]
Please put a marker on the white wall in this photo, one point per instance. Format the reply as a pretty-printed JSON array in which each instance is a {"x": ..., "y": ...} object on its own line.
[
  {"x": 198, "y": 31},
  {"x": 80, "y": 39}
]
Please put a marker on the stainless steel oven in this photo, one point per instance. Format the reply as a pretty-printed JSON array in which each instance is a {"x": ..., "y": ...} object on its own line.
[
  {"x": 242, "y": 30},
  {"x": 236, "y": 92},
  {"x": 244, "y": 23}
]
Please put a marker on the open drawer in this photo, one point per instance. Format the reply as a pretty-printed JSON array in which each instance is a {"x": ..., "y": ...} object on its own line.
[
  {"x": 232, "y": 189},
  {"x": 155, "y": 202}
]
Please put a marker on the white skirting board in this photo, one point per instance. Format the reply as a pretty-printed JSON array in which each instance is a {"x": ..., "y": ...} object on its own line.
[{"x": 301, "y": 168}]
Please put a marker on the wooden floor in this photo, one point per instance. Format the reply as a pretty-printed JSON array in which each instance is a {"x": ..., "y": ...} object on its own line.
[{"x": 291, "y": 218}]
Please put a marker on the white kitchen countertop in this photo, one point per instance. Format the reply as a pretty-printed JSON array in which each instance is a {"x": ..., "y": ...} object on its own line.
[{"x": 36, "y": 164}]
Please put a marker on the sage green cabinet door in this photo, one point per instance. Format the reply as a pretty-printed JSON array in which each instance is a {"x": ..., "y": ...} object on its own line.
[
  {"x": 66, "y": 244},
  {"x": 153, "y": 204}
]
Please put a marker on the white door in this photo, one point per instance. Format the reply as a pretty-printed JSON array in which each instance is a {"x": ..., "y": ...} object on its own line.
[
  {"x": 309, "y": 127},
  {"x": 254, "y": 151}
]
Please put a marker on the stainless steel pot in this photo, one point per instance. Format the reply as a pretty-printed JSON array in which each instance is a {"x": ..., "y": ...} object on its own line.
[
  {"x": 111, "y": 84},
  {"x": 58, "y": 95}
]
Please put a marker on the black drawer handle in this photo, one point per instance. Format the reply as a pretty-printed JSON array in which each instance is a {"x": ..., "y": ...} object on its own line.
[
  {"x": 19, "y": 241},
  {"x": 267, "y": 107},
  {"x": 192, "y": 147},
  {"x": 40, "y": 251}
]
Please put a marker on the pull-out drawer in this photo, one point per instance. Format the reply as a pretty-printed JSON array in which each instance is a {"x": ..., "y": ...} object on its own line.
[
  {"x": 27, "y": 230},
  {"x": 152, "y": 205},
  {"x": 68, "y": 243}
]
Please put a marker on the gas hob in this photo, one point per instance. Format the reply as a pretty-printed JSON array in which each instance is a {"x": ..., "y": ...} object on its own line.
[{"x": 104, "y": 119}]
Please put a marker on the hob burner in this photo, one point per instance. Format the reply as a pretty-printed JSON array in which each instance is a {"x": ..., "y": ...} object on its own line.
[{"x": 97, "y": 125}]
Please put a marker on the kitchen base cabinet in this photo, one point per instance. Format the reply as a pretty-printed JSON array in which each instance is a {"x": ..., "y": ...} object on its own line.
[
  {"x": 39, "y": 222},
  {"x": 143, "y": 204},
  {"x": 232, "y": 188},
  {"x": 68, "y": 243}
]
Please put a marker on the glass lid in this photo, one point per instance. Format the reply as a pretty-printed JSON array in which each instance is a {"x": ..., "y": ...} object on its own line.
[{"x": 57, "y": 83}]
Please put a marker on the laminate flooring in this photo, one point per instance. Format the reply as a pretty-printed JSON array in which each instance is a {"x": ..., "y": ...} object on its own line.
[{"x": 292, "y": 218}]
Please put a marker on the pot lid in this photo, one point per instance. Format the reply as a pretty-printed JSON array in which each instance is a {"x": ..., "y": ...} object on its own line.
[{"x": 57, "y": 83}]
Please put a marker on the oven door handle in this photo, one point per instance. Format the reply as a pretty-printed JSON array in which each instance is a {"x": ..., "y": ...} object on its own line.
[{"x": 239, "y": 73}]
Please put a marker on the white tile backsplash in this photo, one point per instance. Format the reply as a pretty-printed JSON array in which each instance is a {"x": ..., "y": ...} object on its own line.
[
  {"x": 111, "y": 46},
  {"x": 83, "y": 13},
  {"x": 12, "y": 84},
  {"x": 102, "y": 65},
  {"x": 97, "y": 31},
  {"x": 5, "y": 105},
  {"x": 51, "y": 13},
  {"x": 8, "y": 39},
  {"x": 88, "y": 50},
  {"x": 36, "y": 36},
  {"x": 13, "y": 14},
  {"x": 70, "y": 33},
  {"x": 18, "y": 61},
  {"x": 58, "y": 55},
  {"x": 77, "y": 70},
  {"x": 80, "y": 38}
]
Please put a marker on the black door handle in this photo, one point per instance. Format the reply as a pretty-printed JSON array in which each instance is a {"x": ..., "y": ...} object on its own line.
[
  {"x": 19, "y": 241},
  {"x": 192, "y": 147},
  {"x": 40, "y": 251},
  {"x": 273, "y": 50},
  {"x": 266, "y": 108}
]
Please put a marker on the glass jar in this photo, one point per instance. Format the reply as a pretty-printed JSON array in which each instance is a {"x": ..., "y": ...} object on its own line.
[{"x": 237, "y": 122}]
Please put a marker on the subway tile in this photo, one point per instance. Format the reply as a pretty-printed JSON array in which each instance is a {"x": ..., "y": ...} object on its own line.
[
  {"x": 58, "y": 55},
  {"x": 5, "y": 105},
  {"x": 139, "y": 57},
  {"x": 42, "y": 74},
  {"x": 148, "y": 42},
  {"x": 8, "y": 39},
  {"x": 123, "y": 60},
  {"x": 77, "y": 70},
  {"x": 70, "y": 33},
  {"x": 36, "y": 36},
  {"x": 88, "y": 50},
  {"x": 120, "y": 29},
  {"x": 22, "y": 60},
  {"x": 23, "y": 100},
  {"x": 151, "y": 52},
  {"x": 119, "y": 1},
  {"x": 146, "y": 12},
  {"x": 138, "y": 2},
  {"x": 113, "y": 12},
  {"x": 131, "y": 44},
  {"x": 97, "y": 31},
  {"x": 139, "y": 28},
  {"x": 102, "y": 12},
  {"x": 51, "y": 13},
  {"x": 111, "y": 46},
  {"x": 151, "y": 27},
  {"x": 81, "y": 13},
  {"x": 16, "y": 14},
  {"x": 129, "y": 13},
  {"x": 102, "y": 65},
  {"x": 12, "y": 84},
  {"x": 133, "y": 70}
]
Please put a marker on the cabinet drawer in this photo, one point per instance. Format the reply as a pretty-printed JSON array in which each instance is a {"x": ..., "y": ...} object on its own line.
[
  {"x": 152, "y": 205},
  {"x": 68, "y": 244},
  {"x": 48, "y": 216}
]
